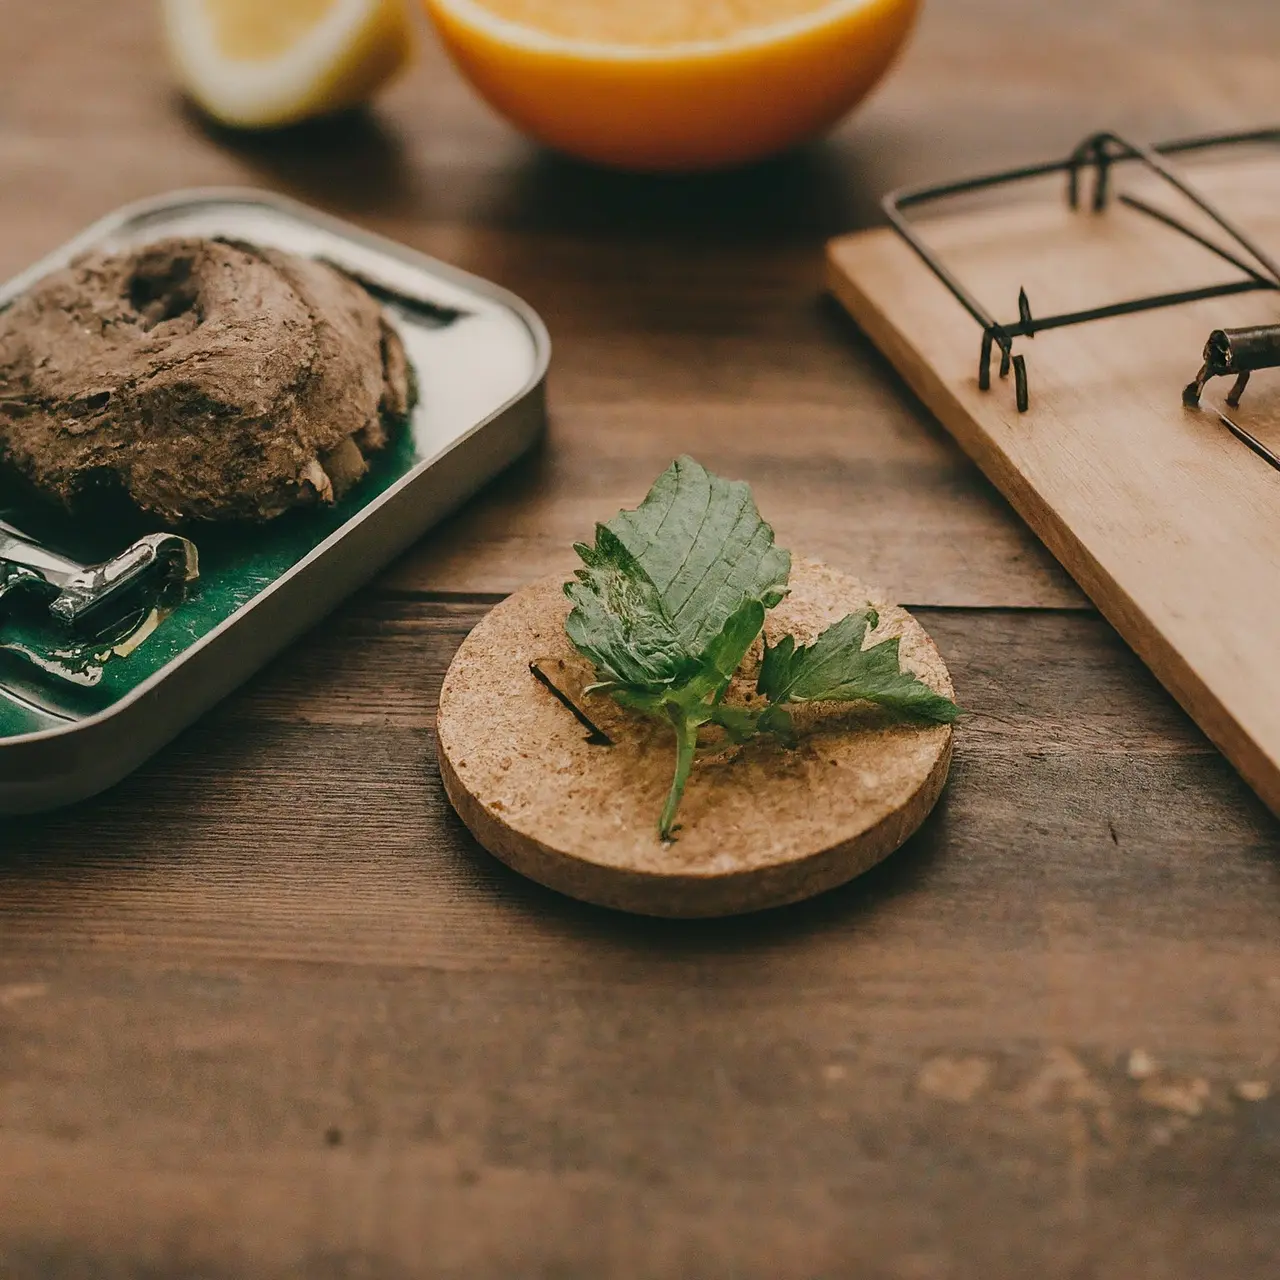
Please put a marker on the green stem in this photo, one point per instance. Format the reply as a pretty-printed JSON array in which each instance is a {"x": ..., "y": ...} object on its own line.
[{"x": 686, "y": 746}]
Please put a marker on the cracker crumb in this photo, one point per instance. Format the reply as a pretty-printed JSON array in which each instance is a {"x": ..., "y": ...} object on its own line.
[
  {"x": 954, "y": 1079},
  {"x": 1184, "y": 1098},
  {"x": 1253, "y": 1090},
  {"x": 1142, "y": 1066}
]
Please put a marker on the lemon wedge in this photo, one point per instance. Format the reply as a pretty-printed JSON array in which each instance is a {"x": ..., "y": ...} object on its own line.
[
  {"x": 673, "y": 84},
  {"x": 261, "y": 63}
]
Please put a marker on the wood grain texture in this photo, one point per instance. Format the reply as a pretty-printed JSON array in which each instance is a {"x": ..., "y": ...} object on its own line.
[
  {"x": 332, "y": 1037},
  {"x": 685, "y": 312},
  {"x": 1168, "y": 522},
  {"x": 265, "y": 1010}
]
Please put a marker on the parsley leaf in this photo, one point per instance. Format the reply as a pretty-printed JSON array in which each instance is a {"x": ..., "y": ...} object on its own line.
[
  {"x": 673, "y": 595},
  {"x": 836, "y": 668}
]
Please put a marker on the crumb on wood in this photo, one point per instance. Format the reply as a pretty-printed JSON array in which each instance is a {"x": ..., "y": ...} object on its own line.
[
  {"x": 1064, "y": 1077},
  {"x": 1142, "y": 1066},
  {"x": 1253, "y": 1090},
  {"x": 957, "y": 1080},
  {"x": 18, "y": 992},
  {"x": 1185, "y": 1098}
]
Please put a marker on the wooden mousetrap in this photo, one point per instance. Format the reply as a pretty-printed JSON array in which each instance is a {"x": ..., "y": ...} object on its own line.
[{"x": 1101, "y": 286}]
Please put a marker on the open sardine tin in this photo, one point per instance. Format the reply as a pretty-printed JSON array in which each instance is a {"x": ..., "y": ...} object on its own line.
[{"x": 480, "y": 357}]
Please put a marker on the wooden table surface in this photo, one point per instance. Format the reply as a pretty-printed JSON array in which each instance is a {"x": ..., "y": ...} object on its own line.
[{"x": 266, "y": 1011}]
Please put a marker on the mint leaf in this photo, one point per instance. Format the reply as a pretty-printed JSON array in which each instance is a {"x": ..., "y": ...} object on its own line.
[
  {"x": 739, "y": 724},
  {"x": 836, "y": 668},
  {"x": 702, "y": 542},
  {"x": 671, "y": 598},
  {"x": 723, "y": 656},
  {"x": 619, "y": 622}
]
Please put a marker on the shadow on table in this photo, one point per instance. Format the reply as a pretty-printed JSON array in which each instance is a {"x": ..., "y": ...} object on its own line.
[
  {"x": 356, "y": 162},
  {"x": 901, "y": 875},
  {"x": 352, "y": 162},
  {"x": 806, "y": 194},
  {"x": 116, "y": 841}
]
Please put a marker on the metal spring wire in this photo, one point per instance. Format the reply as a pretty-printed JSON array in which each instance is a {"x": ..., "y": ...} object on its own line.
[{"x": 1099, "y": 152}]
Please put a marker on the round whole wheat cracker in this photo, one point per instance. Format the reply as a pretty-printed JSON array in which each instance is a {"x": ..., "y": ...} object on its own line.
[{"x": 760, "y": 826}]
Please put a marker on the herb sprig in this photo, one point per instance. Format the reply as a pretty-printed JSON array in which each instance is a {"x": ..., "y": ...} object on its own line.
[{"x": 672, "y": 597}]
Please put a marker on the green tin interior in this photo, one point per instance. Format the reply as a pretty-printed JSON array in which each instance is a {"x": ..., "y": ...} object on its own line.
[
  {"x": 236, "y": 564},
  {"x": 472, "y": 354}
]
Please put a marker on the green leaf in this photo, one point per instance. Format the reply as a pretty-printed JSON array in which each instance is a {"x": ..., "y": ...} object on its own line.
[
  {"x": 671, "y": 598},
  {"x": 777, "y": 721},
  {"x": 836, "y": 668},
  {"x": 697, "y": 700},
  {"x": 721, "y": 659},
  {"x": 618, "y": 620},
  {"x": 744, "y": 723},
  {"x": 704, "y": 546},
  {"x": 739, "y": 723}
]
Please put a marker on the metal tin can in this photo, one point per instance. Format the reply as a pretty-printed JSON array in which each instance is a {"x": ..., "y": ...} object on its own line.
[{"x": 480, "y": 356}]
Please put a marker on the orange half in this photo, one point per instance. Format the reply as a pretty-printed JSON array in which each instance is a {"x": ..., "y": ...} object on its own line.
[{"x": 673, "y": 84}]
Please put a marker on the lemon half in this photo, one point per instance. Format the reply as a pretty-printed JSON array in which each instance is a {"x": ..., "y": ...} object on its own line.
[
  {"x": 262, "y": 63},
  {"x": 673, "y": 84}
]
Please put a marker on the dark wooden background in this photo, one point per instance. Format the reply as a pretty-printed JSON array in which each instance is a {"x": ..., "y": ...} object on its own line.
[{"x": 266, "y": 1011}]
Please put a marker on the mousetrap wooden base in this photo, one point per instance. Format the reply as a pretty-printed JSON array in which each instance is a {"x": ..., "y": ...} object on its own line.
[
  {"x": 1167, "y": 521},
  {"x": 761, "y": 825}
]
